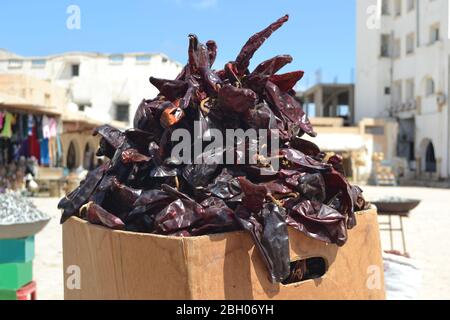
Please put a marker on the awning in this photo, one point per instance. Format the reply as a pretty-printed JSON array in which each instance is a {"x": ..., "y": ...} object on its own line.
[{"x": 18, "y": 104}]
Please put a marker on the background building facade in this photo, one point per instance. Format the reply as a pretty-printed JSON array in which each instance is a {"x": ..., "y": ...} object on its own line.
[
  {"x": 402, "y": 72},
  {"x": 106, "y": 87}
]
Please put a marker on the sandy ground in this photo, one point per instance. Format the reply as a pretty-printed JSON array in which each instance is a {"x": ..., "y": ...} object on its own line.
[
  {"x": 427, "y": 236},
  {"x": 48, "y": 265}
]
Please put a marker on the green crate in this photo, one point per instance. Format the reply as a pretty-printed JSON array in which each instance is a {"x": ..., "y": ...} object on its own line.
[
  {"x": 14, "y": 276},
  {"x": 16, "y": 250}
]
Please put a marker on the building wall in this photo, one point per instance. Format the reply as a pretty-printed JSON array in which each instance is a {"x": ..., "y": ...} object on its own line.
[
  {"x": 80, "y": 141},
  {"x": 102, "y": 82},
  {"x": 429, "y": 60},
  {"x": 357, "y": 143},
  {"x": 34, "y": 91}
]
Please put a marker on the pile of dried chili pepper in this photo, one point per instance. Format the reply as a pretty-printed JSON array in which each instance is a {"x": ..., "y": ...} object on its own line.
[{"x": 143, "y": 189}]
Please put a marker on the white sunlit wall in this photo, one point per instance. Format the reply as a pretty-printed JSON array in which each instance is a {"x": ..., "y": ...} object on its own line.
[
  {"x": 402, "y": 72},
  {"x": 105, "y": 86}
]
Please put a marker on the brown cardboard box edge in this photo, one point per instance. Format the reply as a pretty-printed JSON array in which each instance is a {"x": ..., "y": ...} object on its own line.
[{"x": 123, "y": 265}]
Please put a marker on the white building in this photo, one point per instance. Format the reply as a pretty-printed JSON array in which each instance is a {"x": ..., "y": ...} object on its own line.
[
  {"x": 402, "y": 71},
  {"x": 106, "y": 87}
]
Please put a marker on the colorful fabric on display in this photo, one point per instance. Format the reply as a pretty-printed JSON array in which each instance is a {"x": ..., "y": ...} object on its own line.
[
  {"x": 33, "y": 145},
  {"x": 38, "y": 125},
  {"x": 53, "y": 127},
  {"x": 45, "y": 157},
  {"x": 30, "y": 125},
  {"x": 59, "y": 150},
  {"x": 46, "y": 127},
  {"x": 24, "y": 150},
  {"x": 8, "y": 122},
  {"x": 2, "y": 116}
]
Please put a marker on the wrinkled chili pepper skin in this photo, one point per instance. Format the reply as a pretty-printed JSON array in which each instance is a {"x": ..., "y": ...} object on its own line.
[
  {"x": 317, "y": 221},
  {"x": 143, "y": 188},
  {"x": 76, "y": 199},
  {"x": 237, "y": 99},
  {"x": 272, "y": 66},
  {"x": 287, "y": 81},
  {"x": 97, "y": 215},
  {"x": 171, "y": 89}
]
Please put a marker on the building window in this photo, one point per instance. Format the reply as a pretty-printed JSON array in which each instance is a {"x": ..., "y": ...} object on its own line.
[
  {"x": 410, "y": 5},
  {"x": 397, "y": 94},
  {"x": 387, "y": 90},
  {"x": 434, "y": 33},
  {"x": 410, "y": 43},
  {"x": 15, "y": 64},
  {"x": 116, "y": 59},
  {"x": 410, "y": 89},
  {"x": 429, "y": 89},
  {"x": 164, "y": 60},
  {"x": 84, "y": 106},
  {"x": 385, "y": 45},
  {"x": 385, "y": 8},
  {"x": 71, "y": 157},
  {"x": 75, "y": 70},
  {"x": 38, "y": 63},
  {"x": 398, "y": 8},
  {"x": 144, "y": 58},
  {"x": 397, "y": 48},
  {"x": 122, "y": 112},
  {"x": 374, "y": 130}
]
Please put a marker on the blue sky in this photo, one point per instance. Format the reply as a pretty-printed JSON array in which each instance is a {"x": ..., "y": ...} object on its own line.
[{"x": 319, "y": 35}]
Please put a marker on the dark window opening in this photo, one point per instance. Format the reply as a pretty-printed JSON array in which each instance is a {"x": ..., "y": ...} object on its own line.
[
  {"x": 374, "y": 130},
  {"x": 88, "y": 161},
  {"x": 123, "y": 112},
  {"x": 75, "y": 70},
  {"x": 430, "y": 159},
  {"x": 71, "y": 157},
  {"x": 387, "y": 90},
  {"x": 83, "y": 106}
]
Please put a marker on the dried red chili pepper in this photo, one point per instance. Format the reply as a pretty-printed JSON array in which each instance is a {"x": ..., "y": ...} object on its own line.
[
  {"x": 254, "y": 43},
  {"x": 97, "y": 215},
  {"x": 171, "y": 116},
  {"x": 236, "y": 99},
  {"x": 286, "y": 81},
  {"x": 171, "y": 89}
]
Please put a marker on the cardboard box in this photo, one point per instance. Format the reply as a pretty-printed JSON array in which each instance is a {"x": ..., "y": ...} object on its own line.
[
  {"x": 16, "y": 250},
  {"x": 121, "y": 265},
  {"x": 14, "y": 276}
]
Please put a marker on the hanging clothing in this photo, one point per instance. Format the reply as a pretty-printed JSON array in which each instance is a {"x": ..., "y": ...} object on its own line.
[
  {"x": 46, "y": 127},
  {"x": 7, "y": 125},
  {"x": 24, "y": 150},
  {"x": 44, "y": 152},
  {"x": 34, "y": 149},
  {"x": 59, "y": 161},
  {"x": 38, "y": 125},
  {"x": 30, "y": 125},
  {"x": 52, "y": 151},
  {"x": 2, "y": 116},
  {"x": 53, "y": 124}
]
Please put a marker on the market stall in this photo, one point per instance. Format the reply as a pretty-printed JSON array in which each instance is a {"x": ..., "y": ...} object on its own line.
[{"x": 29, "y": 140}]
